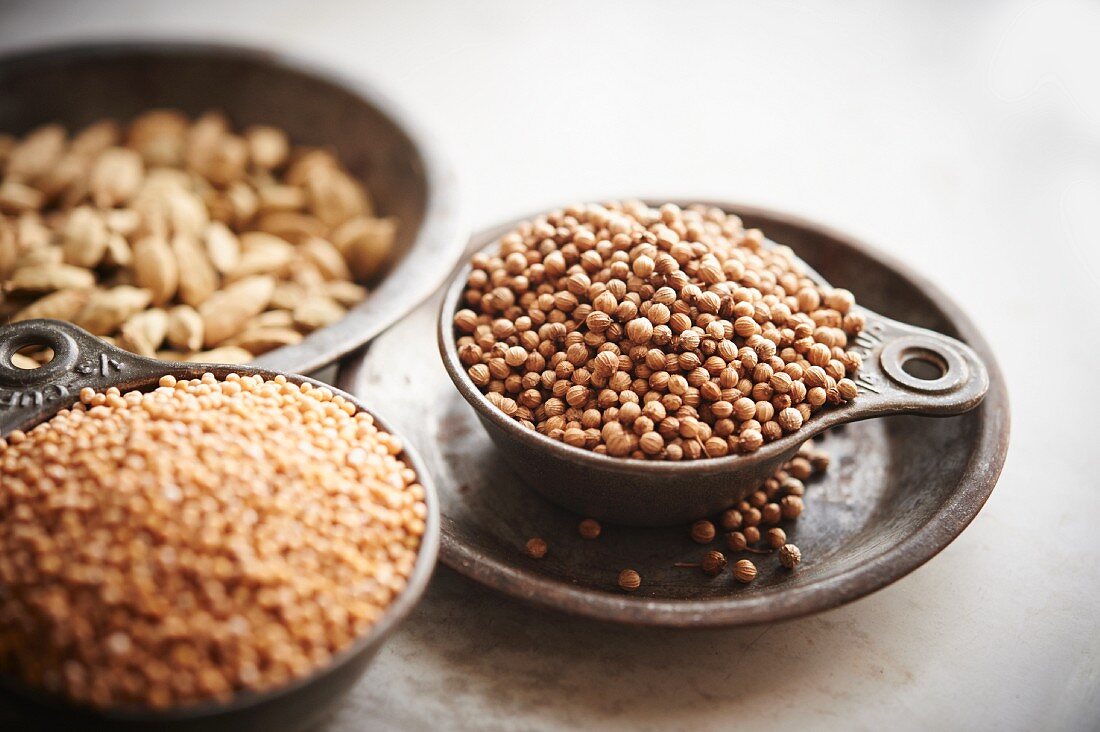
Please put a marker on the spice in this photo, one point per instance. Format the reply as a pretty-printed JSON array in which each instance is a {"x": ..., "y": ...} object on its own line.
[
  {"x": 703, "y": 532},
  {"x": 792, "y": 507},
  {"x": 677, "y": 330},
  {"x": 713, "y": 563},
  {"x": 589, "y": 528},
  {"x": 737, "y": 541},
  {"x": 201, "y": 539},
  {"x": 776, "y": 538},
  {"x": 789, "y": 556},
  {"x": 115, "y": 229},
  {"x": 629, "y": 580},
  {"x": 744, "y": 571},
  {"x": 535, "y": 548},
  {"x": 730, "y": 520}
]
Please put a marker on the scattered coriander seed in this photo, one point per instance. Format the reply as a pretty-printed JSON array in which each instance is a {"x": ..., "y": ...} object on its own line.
[
  {"x": 589, "y": 528},
  {"x": 730, "y": 520},
  {"x": 752, "y": 534},
  {"x": 714, "y": 562},
  {"x": 789, "y": 556},
  {"x": 703, "y": 532},
  {"x": 776, "y": 537},
  {"x": 744, "y": 571},
  {"x": 736, "y": 541},
  {"x": 771, "y": 514},
  {"x": 626, "y": 305},
  {"x": 629, "y": 580},
  {"x": 535, "y": 548},
  {"x": 791, "y": 506}
]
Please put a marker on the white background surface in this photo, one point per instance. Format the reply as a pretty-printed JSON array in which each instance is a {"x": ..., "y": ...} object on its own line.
[{"x": 962, "y": 137}]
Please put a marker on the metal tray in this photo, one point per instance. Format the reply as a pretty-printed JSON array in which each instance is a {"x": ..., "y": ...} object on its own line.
[
  {"x": 898, "y": 491},
  {"x": 79, "y": 84}
]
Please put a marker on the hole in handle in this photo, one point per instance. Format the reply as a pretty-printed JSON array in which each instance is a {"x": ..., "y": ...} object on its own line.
[
  {"x": 34, "y": 337},
  {"x": 30, "y": 358},
  {"x": 924, "y": 364}
]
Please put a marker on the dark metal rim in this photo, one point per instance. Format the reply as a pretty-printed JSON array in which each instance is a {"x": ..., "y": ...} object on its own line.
[
  {"x": 442, "y": 230},
  {"x": 395, "y": 613},
  {"x": 980, "y": 476}
]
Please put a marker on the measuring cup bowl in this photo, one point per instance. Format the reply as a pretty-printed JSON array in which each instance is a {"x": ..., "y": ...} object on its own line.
[
  {"x": 28, "y": 397},
  {"x": 659, "y": 493}
]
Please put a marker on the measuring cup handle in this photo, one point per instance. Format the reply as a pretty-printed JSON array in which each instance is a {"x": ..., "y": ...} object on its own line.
[
  {"x": 27, "y": 396},
  {"x": 958, "y": 380}
]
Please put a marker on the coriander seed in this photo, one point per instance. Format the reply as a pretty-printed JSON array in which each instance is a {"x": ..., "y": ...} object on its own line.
[
  {"x": 703, "y": 532},
  {"x": 776, "y": 538},
  {"x": 744, "y": 571},
  {"x": 589, "y": 528},
  {"x": 629, "y": 580},
  {"x": 713, "y": 563},
  {"x": 625, "y": 305},
  {"x": 736, "y": 541},
  {"x": 535, "y": 548},
  {"x": 789, "y": 556}
]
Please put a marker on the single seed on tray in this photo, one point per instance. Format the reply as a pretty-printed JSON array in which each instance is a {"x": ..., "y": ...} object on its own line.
[
  {"x": 744, "y": 571},
  {"x": 629, "y": 580},
  {"x": 589, "y": 528},
  {"x": 789, "y": 556},
  {"x": 535, "y": 548},
  {"x": 702, "y": 532}
]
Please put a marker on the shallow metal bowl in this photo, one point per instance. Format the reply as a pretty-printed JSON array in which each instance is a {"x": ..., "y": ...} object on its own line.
[
  {"x": 80, "y": 84},
  {"x": 28, "y": 397},
  {"x": 657, "y": 493}
]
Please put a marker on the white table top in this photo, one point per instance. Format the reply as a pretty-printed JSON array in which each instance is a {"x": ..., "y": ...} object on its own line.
[{"x": 962, "y": 137}]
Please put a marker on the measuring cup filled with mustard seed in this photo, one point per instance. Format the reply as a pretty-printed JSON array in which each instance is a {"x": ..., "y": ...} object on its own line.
[
  {"x": 194, "y": 546},
  {"x": 653, "y": 363}
]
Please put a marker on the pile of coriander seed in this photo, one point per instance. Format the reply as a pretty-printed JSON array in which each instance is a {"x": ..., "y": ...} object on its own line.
[
  {"x": 654, "y": 333},
  {"x": 208, "y": 537}
]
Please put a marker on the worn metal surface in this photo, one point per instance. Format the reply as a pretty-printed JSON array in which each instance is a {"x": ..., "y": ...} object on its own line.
[
  {"x": 406, "y": 176},
  {"x": 900, "y": 488},
  {"x": 28, "y": 397}
]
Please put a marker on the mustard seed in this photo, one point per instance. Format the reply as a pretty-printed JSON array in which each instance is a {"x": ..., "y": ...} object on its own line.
[{"x": 210, "y": 536}]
